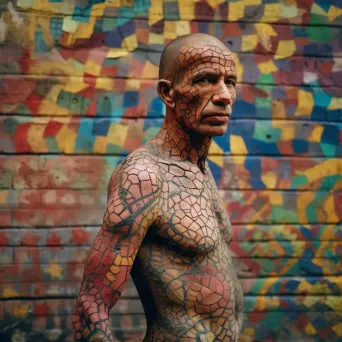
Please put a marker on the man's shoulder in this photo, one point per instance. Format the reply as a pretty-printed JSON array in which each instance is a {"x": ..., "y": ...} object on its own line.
[{"x": 139, "y": 163}]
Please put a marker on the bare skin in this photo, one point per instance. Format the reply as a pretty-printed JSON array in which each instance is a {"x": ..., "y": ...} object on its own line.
[{"x": 165, "y": 223}]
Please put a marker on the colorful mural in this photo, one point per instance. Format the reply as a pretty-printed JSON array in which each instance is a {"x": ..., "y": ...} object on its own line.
[{"x": 77, "y": 94}]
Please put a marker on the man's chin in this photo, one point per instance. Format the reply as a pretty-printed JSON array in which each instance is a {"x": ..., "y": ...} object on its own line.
[{"x": 213, "y": 131}]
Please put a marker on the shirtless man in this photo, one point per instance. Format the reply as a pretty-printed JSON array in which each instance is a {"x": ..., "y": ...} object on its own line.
[{"x": 164, "y": 222}]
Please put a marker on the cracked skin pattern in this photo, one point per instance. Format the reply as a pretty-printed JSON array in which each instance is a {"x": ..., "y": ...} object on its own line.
[{"x": 164, "y": 222}]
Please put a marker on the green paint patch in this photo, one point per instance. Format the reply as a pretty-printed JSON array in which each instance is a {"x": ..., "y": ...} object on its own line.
[
  {"x": 298, "y": 181},
  {"x": 328, "y": 150},
  {"x": 265, "y": 79},
  {"x": 265, "y": 132},
  {"x": 319, "y": 33}
]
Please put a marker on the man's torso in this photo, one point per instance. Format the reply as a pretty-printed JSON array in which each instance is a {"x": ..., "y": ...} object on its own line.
[{"x": 183, "y": 271}]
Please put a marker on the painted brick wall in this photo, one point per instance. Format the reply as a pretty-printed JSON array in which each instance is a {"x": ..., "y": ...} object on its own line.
[{"x": 77, "y": 93}]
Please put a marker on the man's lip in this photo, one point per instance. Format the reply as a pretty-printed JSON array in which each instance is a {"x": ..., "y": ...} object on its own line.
[{"x": 216, "y": 114}]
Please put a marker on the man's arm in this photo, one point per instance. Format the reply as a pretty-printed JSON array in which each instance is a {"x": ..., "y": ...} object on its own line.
[{"x": 131, "y": 209}]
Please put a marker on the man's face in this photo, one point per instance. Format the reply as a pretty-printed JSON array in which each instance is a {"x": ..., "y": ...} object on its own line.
[{"x": 205, "y": 90}]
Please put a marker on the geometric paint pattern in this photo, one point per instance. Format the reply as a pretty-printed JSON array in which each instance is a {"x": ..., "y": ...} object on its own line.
[{"x": 78, "y": 93}]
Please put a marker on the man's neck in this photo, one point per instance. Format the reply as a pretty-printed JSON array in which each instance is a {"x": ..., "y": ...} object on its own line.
[{"x": 178, "y": 144}]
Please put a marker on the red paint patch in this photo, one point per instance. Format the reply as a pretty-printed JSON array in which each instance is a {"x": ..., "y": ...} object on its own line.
[
  {"x": 80, "y": 236},
  {"x": 52, "y": 128}
]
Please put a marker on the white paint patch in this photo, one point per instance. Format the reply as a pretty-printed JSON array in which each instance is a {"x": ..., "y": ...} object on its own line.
[
  {"x": 49, "y": 197},
  {"x": 3, "y": 30},
  {"x": 68, "y": 199},
  {"x": 309, "y": 77},
  {"x": 16, "y": 19}
]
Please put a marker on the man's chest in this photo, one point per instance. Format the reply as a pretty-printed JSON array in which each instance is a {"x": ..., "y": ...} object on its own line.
[{"x": 191, "y": 213}]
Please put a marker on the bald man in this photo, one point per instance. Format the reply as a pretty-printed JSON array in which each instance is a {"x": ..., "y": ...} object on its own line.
[{"x": 165, "y": 223}]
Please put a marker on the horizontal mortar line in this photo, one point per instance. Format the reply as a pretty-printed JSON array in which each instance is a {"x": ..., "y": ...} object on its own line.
[
  {"x": 94, "y": 226},
  {"x": 142, "y": 49},
  {"x": 100, "y": 156},
  {"x": 145, "y": 18},
  {"x": 283, "y": 296},
  {"x": 126, "y": 154},
  {"x": 44, "y": 76},
  {"x": 151, "y": 119},
  {"x": 234, "y": 240},
  {"x": 234, "y": 117},
  {"x": 317, "y": 191}
]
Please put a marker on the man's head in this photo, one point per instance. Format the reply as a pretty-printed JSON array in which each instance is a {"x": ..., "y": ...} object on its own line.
[{"x": 197, "y": 78}]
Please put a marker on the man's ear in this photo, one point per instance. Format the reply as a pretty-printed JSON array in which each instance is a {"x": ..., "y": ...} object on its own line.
[{"x": 166, "y": 92}]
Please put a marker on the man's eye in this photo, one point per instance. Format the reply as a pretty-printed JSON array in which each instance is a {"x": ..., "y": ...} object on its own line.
[
  {"x": 204, "y": 80},
  {"x": 230, "y": 82}
]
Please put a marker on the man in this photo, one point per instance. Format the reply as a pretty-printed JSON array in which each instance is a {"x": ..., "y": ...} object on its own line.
[{"x": 165, "y": 223}]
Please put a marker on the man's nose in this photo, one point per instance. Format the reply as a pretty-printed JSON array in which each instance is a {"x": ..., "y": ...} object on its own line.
[{"x": 222, "y": 96}]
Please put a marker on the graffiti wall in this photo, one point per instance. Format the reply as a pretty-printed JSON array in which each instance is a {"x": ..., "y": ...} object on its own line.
[{"x": 77, "y": 94}]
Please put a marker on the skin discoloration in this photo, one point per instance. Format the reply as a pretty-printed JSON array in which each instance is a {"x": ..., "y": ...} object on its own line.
[{"x": 165, "y": 223}]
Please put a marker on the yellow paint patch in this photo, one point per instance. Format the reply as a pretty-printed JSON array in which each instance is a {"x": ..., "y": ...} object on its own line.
[
  {"x": 215, "y": 149},
  {"x": 278, "y": 109},
  {"x": 271, "y": 12},
  {"x": 130, "y": 43},
  {"x": 249, "y": 42},
  {"x": 240, "y": 160},
  {"x": 269, "y": 179},
  {"x": 303, "y": 201},
  {"x": 21, "y": 310},
  {"x": 35, "y": 137},
  {"x": 309, "y": 329},
  {"x": 100, "y": 145},
  {"x": 104, "y": 83},
  {"x": 150, "y": 70},
  {"x": 315, "y": 9},
  {"x": 92, "y": 68},
  {"x": 85, "y": 29},
  {"x": 182, "y": 28},
  {"x": 329, "y": 167},
  {"x": 70, "y": 25},
  {"x": 334, "y": 12},
  {"x": 251, "y": 2},
  {"x": 110, "y": 276},
  {"x": 218, "y": 160},
  {"x": 288, "y": 132},
  {"x": 276, "y": 198},
  {"x": 55, "y": 271},
  {"x": 47, "y": 107},
  {"x": 316, "y": 134},
  {"x": 155, "y": 12},
  {"x": 328, "y": 205},
  {"x": 285, "y": 49},
  {"x": 265, "y": 30},
  {"x": 267, "y": 67},
  {"x": 154, "y": 38},
  {"x": 117, "y": 134},
  {"x": 305, "y": 103},
  {"x": 186, "y": 9},
  {"x": 170, "y": 30},
  {"x": 117, "y": 53},
  {"x": 75, "y": 87},
  {"x": 214, "y": 3},
  {"x": 335, "y": 103},
  {"x": 334, "y": 302},
  {"x": 3, "y": 196},
  {"x": 9, "y": 292},
  {"x": 237, "y": 145},
  {"x": 66, "y": 138},
  {"x": 236, "y": 10},
  {"x": 338, "y": 329},
  {"x": 132, "y": 84}
]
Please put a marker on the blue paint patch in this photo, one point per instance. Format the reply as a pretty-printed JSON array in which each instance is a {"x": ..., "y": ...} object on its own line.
[
  {"x": 113, "y": 39},
  {"x": 243, "y": 109},
  {"x": 127, "y": 29},
  {"x": 131, "y": 99},
  {"x": 306, "y": 232},
  {"x": 334, "y": 115},
  {"x": 101, "y": 127},
  {"x": 85, "y": 139},
  {"x": 331, "y": 135},
  {"x": 156, "y": 108},
  {"x": 56, "y": 25},
  {"x": 300, "y": 146},
  {"x": 216, "y": 171},
  {"x": 39, "y": 43},
  {"x": 253, "y": 165}
]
